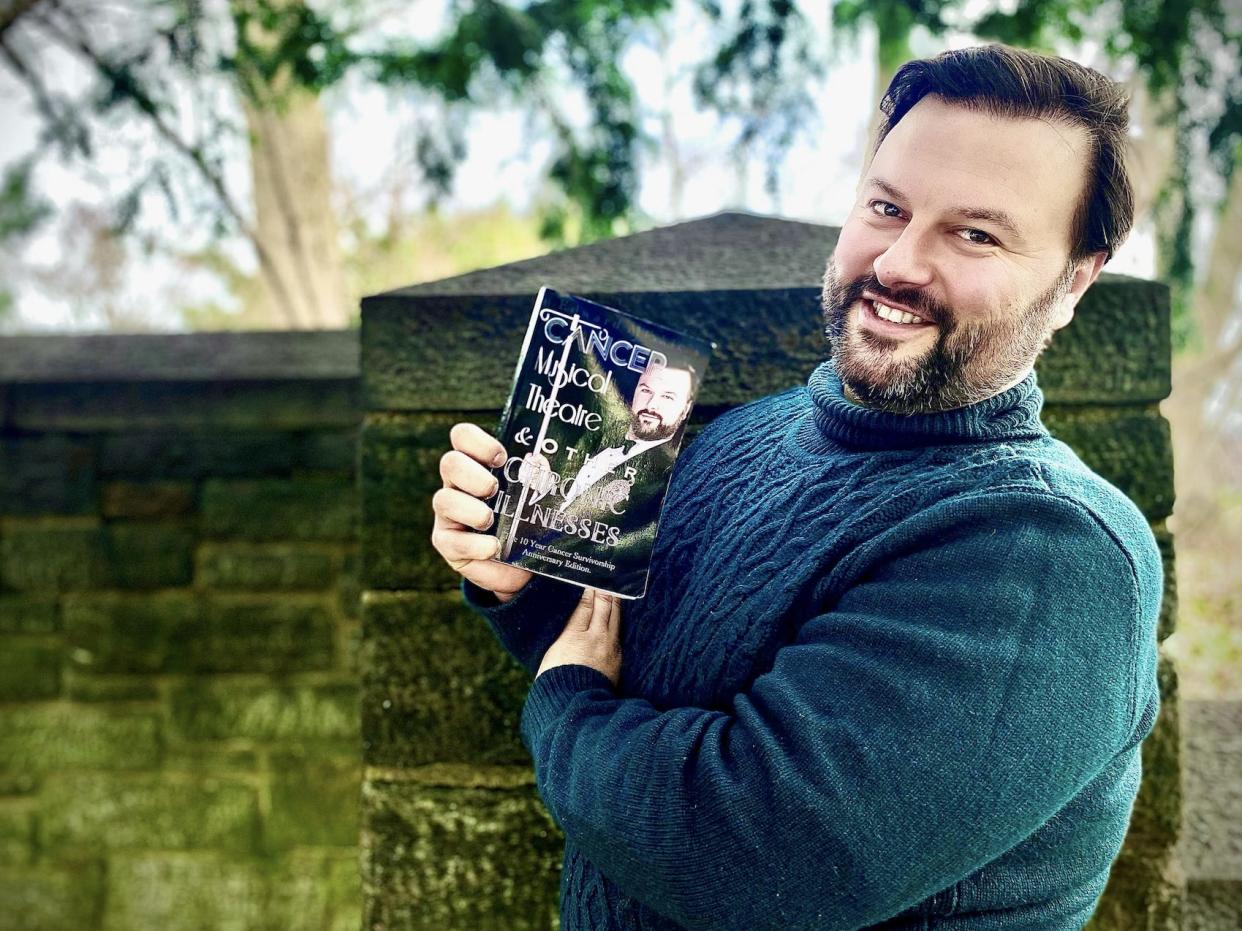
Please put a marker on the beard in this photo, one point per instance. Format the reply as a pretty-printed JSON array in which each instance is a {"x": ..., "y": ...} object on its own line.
[
  {"x": 656, "y": 431},
  {"x": 968, "y": 362}
]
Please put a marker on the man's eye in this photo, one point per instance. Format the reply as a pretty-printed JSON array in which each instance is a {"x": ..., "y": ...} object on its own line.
[
  {"x": 989, "y": 240},
  {"x": 871, "y": 207}
]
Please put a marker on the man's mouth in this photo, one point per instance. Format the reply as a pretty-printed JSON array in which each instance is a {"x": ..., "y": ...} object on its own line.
[{"x": 878, "y": 315}]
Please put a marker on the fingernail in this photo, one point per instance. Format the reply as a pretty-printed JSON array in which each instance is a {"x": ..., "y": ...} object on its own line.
[{"x": 499, "y": 458}]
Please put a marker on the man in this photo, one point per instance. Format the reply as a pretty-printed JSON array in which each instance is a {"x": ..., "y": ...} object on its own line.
[
  {"x": 898, "y": 651},
  {"x": 658, "y": 410}
]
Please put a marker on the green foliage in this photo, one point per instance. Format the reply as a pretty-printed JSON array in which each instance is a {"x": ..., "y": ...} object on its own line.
[
  {"x": 492, "y": 52},
  {"x": 21, "y": 213},
  {"x": 758, "y": 76},
  {"x": 21, "y": 210},
  {"x": 1178, "y": 46}
]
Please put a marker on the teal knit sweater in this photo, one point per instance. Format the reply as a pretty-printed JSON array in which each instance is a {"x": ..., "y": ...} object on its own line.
[{"x": 890, "y": 670}]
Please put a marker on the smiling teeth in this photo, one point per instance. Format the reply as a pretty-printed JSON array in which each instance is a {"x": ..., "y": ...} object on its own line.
[{"x": 893, "y": 315}]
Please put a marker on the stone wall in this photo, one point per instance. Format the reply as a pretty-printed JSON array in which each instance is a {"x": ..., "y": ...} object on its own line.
[
  {"x": 454, "y": 834},
  {"x": 178, "y": 632},
  {"x": 186, "y": 663}
]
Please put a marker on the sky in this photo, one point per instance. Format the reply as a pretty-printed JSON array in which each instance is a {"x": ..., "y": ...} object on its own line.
[{"x": 369, "y": 126}]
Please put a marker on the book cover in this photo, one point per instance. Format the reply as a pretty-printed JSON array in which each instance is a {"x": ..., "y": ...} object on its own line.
[{"x": 593, "y": 425}]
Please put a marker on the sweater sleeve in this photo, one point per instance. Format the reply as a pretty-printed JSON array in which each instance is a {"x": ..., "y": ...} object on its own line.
[
  {"x": 528, "y": 623},
  {"x": 979, "y": 670}
]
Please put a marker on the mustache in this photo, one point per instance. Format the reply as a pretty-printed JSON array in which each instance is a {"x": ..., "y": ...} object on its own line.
[{"x": 915, "y": 300}]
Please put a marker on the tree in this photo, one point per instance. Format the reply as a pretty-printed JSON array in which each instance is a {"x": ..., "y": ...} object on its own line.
[{"x": 162, "y": 60}]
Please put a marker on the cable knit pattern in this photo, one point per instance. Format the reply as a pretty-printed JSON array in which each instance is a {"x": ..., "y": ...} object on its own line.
[{"x": 891, "y": 671}]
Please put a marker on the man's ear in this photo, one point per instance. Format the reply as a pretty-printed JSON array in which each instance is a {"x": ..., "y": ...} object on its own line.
[{"x": 1085, "y": 274}]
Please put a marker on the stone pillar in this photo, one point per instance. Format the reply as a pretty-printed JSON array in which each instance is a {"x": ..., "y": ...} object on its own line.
[{"x": 454, "y": 835}]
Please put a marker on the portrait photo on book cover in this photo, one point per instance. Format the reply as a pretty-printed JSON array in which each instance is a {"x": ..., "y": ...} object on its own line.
[{"x": 621, "y": 482}]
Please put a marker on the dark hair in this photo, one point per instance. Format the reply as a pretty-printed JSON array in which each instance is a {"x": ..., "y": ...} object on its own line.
[{"x": 1007, "y": 81}]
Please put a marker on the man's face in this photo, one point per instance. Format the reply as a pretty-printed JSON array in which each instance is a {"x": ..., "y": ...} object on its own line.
[
  {"x": 962, "y": 219},
  {"x": 660, "y": 403}
]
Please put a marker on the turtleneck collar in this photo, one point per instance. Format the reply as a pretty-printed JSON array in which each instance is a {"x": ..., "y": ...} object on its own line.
[{"x": 1011, "y": 415}]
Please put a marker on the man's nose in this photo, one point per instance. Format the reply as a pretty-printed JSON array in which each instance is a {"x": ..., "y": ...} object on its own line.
[{"x": 906, "y": 263}]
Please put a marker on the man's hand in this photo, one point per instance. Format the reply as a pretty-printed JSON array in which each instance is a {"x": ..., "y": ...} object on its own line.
[
  {"x": 459, "y": 506},
  {"x": 592, "y": 637}
]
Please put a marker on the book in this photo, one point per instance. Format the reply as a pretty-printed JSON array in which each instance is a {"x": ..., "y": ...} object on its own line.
[{"x": 592, "y": 427}]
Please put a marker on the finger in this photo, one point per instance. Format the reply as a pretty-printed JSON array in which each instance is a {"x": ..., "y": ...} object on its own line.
[
  {"x": 477, "y": 443},
  {"x": 461, "y": 546},
  {"x": 460, "y": 471},
  {"x": 600, "y": 611},
  {"x": 457, "y": 506},
  {"x": 580, "y": 619},
  {"x": 498, "y": 577},
  {"x": 614, "y": 616}
]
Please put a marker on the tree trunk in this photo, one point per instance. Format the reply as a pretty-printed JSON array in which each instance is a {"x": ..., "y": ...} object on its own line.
[
  {"x": 295, "y": 225},
  {"x": 892, "y": 26},
  {"x": 1209, "y": 372},
  {"x": 1154, "y": 150}
]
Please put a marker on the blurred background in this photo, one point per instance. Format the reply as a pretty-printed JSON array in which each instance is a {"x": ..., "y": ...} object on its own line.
[{"x": 190, "y": 165}]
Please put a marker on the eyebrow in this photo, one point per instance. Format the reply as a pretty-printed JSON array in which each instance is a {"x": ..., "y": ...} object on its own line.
[{"x": 999, "y": 217}]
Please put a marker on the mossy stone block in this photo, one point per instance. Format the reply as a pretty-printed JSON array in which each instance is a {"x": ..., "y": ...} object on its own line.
[
  {"x": 35, "y": 557},
  {"x": 1212, "y": 905},
  {"x": 314, "y": 799},
  {"x": 187, "y": 632},
  {"x": 148, "y": 555},
  {"x": 146, "y": 500},
  {"x": 30, "y": 613},
  {"x": 82, "y": 686},
  {"x": 139, "y": 555},
  {"x": 131, "y": 633},
  {"x": 17, "y": 832},
  {"x": 49, "y": 474},
  {"x": 1168, "y": 605},
  {"x": 439, "y": 859},
  {"x": 400, "y": 471},
  {"x": 436, "y": 686},
  {"x": 251, "y": 633},
  {"x": 1130, "y": 447},
  {"x": 1212, "y": 841},
  {"x": 349, "y": 584},
  {"x": 50, "y": 897},
  {"x": 29, "y": 670},
  {"x": 156, "y": 405},
  {"x": 54, "y": 737},
  {"x": 1157, "y": 818},
  {"x": 184, "y": 892},
  {"x": 329, "y": 450},
  {"x": 1116, "y": 349},
  {"x": 195, "y": 454},
  {"x": 210, "y": 758},
  {"x": 316, "y": 889},
  {"x": 221, "y": 709},
  {"x": 266, "y": 566},
  {"x": 297, "y": 509},
  {"x": 100, "y": 811},
  {"x": 1145, "y": 890}
]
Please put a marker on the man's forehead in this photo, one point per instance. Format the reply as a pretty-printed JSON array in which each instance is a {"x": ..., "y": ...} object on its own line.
[
  {"x": 1019, "y": 175},
  {"x": 665, "y": 377}
]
